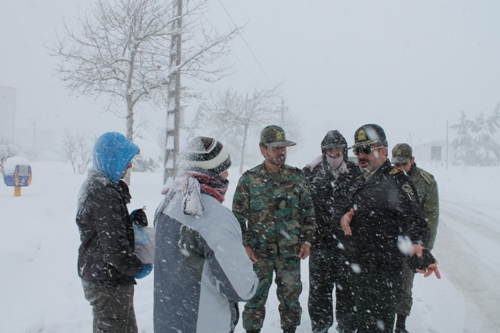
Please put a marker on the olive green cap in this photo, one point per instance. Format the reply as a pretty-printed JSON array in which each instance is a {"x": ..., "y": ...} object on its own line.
[
  {"x": 274, "y": 136},
  {"x": 401, "y": 153}
]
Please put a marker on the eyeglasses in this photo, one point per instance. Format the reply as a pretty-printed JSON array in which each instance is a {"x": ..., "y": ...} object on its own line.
[{"x": 365, "y": 149}]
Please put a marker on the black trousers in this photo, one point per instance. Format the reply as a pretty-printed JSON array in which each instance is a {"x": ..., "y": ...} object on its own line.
[
  {"x": 375, "y": 296},
  {"x": 328, "y": 272},
  {"x": 112, "y": 309}
]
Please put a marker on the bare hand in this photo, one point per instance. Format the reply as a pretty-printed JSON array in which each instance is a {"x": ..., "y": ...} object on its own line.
[
  {"x": 417, "y": 249},
  {"x": 250, "y": 254},
  {"x": 432, "y": 268},
  {"x": 304, "y": 252},
  {"x": 345, "y": 222}
]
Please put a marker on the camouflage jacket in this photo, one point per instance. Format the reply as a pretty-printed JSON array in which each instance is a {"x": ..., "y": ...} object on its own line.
[
  {"x": 275, "y": 211},
  {"x": 427, "y": 190}
]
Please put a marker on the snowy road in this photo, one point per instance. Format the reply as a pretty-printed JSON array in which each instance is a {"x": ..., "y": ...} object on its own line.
[{"x": 468, "y": 244}]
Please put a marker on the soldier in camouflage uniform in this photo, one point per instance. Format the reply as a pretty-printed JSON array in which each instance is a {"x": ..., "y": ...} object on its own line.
[
  {"x": 276, "y": 214},
  {"x": 429, "y": 201}
]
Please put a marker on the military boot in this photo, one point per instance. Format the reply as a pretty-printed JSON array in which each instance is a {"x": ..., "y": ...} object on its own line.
[
  {"x": 400, "y": 324},
  {"x": 289, "y": 329},
  {"x": 253, "y": 331}
]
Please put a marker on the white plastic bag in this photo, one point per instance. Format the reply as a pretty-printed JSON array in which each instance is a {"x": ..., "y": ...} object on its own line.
[{"x": 144, "y": 244}]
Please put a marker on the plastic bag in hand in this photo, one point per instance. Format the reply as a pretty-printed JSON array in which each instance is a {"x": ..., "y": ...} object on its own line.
[{"x": 144, "y": 243}]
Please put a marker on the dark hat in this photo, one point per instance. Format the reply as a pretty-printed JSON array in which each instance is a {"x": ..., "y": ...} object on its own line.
[
  {"x": 274, "y": 136},
  {"x": 333, "y": 139},
  {"x": 368, "y": 135},
  {"x": 401, "y": 153},
  {"x": 207, "y": 153}
]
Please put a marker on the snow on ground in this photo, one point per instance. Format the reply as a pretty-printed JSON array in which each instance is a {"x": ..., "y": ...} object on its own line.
[{"x": 41, "y": 292}]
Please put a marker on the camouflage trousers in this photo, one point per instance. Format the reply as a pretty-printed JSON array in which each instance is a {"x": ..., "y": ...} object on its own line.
[
  {"x": 405, "y": 299},
  {"x": 112, "y": 309},
  {"x": 288, "y": 289},
  {"x": 375, "y": 296}
]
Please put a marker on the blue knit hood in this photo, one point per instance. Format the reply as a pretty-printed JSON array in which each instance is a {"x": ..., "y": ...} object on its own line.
[{"x": 112, "y": 154}]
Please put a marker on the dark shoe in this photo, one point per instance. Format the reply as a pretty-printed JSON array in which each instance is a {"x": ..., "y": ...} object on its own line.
[
  {"x": 254, "y": 331},
  {"x": 289, "y": 330}
]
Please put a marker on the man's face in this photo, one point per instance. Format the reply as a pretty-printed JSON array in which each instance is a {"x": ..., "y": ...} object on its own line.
[
  {"x": 405, "y": 166},
  {"x": 370, "y": 157},
  {"x": 274, "y": 156}
]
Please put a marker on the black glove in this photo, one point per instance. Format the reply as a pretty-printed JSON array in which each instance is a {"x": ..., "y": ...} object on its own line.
[
  {"x": 139, "y": 217},
  {"x": 415, "y": 262}
]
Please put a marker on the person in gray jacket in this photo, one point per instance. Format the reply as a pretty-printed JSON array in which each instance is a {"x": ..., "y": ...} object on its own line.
[{"x": 202, "y": 270}]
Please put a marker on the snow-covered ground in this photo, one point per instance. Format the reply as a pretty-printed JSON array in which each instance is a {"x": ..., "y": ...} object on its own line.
[{"x": 41, "y": 292}]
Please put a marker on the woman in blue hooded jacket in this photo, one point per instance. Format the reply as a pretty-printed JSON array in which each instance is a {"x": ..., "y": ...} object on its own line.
[{"x": 107, "y": 264}]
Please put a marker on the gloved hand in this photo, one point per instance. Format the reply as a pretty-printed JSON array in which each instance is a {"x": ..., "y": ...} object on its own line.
[
  {"x": 139, "y": 217},
  {"x": 415, "y": 262},
  {"x": 146, "y": 269}
]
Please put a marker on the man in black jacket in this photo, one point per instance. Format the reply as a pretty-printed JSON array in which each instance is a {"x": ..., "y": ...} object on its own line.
[
  {"x": 107, "y": 264},
  {"x": 385, "y": 225},
  {"x": 329, "y": 177}
]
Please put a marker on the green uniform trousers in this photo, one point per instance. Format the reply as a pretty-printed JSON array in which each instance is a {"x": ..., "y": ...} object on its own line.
[{"x": 288, "y": 289}]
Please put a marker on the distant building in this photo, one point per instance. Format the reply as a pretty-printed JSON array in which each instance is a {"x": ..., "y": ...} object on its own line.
[
  {"x": 8, "y": 113},
  {"x": 435, "y": 151}
]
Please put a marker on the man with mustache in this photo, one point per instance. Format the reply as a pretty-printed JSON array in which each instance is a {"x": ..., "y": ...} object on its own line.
[
  {"x": 385, "y": 225},
  {"x": 276, "y": 214}
]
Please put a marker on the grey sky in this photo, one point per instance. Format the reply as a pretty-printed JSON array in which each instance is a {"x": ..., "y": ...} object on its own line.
[{"x": 407, "y": 65}]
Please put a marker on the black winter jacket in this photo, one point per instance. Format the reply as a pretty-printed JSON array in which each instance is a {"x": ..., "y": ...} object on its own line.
[
  {"x": 106, "y": 255},
  {"x": 330, "y": 198},
  {"x": 385, "y": 206}
]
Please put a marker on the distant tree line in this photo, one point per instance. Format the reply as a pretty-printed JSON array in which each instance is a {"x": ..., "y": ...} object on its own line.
[{"x": 477, "y": 141}]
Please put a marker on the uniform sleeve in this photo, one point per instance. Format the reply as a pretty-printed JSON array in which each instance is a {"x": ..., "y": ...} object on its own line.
[
  {"x": 306, "y": 215},
  {"x": 112, "y": 233},
  {"x": 241, "y": 205},
  {"x": 414, "y": 224},
  {"x": 431, "y": 210}
]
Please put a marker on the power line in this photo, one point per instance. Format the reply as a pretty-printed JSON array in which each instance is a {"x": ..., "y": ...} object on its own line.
[
  {"x": 237, "y": 58},
  {"x": 248, "y": 46}
]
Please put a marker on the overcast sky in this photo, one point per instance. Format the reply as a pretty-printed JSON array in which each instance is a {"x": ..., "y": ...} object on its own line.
[{"x": 409, "y": 66}]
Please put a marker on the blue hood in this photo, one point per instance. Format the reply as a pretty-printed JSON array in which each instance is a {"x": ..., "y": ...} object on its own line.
[{"x": 112, "y": 154}]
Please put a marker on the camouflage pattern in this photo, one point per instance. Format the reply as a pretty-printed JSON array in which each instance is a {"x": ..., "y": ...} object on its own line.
[
  {"x": 275, "y": 211},
  {"x": 427, "y": 190},
  {"x": 289, "y": 287},
  {"x": 276, "y": 215}
]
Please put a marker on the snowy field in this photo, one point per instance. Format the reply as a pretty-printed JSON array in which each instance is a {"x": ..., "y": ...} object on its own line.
[{"x": 41, "y": 292}]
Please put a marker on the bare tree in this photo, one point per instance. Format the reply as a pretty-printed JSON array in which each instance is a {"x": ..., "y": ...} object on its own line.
[
  {"x": 234, "y": 115},
  {"x": 122, "y": 49},
  {"x": 78, "y": 151},
  {"x": 7, "y": 149}
]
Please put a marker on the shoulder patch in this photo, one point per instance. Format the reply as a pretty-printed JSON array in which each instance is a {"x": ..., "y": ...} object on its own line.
[
  {"x": 407, "y": 188},
  {"x": 427, "y": 177},
  {"x": 394, "y": 171}
]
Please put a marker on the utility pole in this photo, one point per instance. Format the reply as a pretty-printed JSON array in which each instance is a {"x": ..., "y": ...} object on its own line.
[{"x": 174, "y": 98}]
